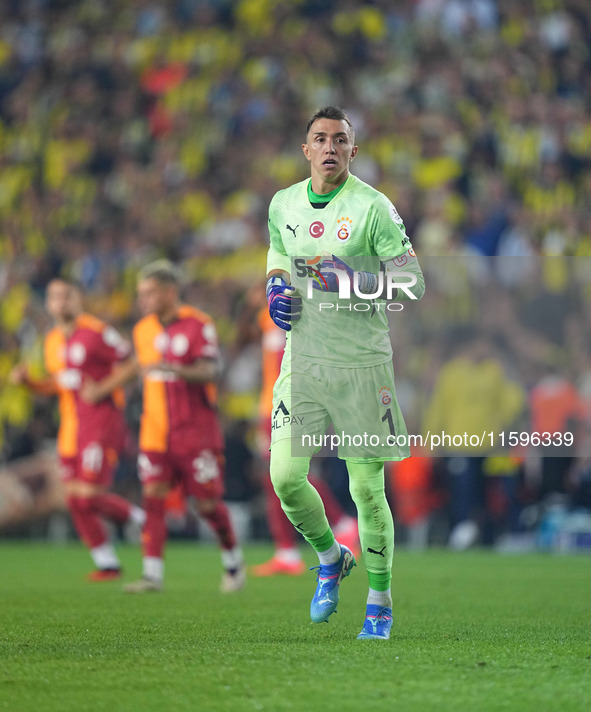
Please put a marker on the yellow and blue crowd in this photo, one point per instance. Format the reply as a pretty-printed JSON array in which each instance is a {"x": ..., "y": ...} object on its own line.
[{"x": 144, "y": 128}]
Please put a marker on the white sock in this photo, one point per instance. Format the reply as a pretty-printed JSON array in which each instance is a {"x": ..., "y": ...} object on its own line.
[
  {"x": 289, "y": 556},
  {"x": 153, "y": 568},
  {"x": 330, "y": 556},
  {"x": 232, "y": 558},
  {"x": 104, "y": 557},
  {"x": 379, "y": 598},
  {"x": 137, "y": 516}
]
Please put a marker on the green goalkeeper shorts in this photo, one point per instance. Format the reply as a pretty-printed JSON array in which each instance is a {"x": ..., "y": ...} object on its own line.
[{"x": 359, "y": 402}]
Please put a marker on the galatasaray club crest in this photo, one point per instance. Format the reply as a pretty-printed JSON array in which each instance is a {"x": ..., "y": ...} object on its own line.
[
  {"x": 385, "y": 396},
  {"x": 344, "y": 229}
]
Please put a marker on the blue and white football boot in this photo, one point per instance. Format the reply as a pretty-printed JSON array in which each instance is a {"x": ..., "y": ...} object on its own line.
[
  {"x": 328, "y": 581},
  {"x": 378, "y": 623}
]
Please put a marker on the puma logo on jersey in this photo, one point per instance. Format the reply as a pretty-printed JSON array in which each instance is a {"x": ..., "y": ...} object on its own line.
[
  {"x": 379, "y": 553},
  {"x": 293, "y": 229}
]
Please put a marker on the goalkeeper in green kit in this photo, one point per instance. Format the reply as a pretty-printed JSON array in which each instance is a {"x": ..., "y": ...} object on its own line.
[{"x": 336, "y": 244}]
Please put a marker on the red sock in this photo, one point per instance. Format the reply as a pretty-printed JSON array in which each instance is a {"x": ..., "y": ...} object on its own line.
[
  {"x": 333, "y": 509},
  {"x": 219, "y": 520},
  {"x": 282, "y": 531},
  {"x": 87, "y": 522},
  {"x": 154, "y": 532},
  {"x": 113, "y": 507}
]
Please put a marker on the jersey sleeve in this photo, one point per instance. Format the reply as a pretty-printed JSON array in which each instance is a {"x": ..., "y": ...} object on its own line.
[
  {"x": 204, "y": 341},
  {"x": 277, "y": 256},
  {"x": 388, "y": 236},
  {"x": 389, "y": 240},
  {"x": 113, "y": 346}
]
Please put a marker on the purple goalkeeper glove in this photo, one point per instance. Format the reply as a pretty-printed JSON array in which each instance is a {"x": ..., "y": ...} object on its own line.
[
  {"x": 328, "y": 280},
  {"x": 284, "y": 306}
]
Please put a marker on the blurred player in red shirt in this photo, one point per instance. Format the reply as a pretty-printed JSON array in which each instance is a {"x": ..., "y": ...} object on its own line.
[
  {"x": 181, "y": 440},
  {"x": 78, "y": 348}
]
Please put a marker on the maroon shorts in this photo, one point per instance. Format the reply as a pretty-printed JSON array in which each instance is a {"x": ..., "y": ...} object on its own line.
[
  {"x": 200, "y": 473},
  {"x": 67, "y": 468},
  {"x": 98, "y": 453}
]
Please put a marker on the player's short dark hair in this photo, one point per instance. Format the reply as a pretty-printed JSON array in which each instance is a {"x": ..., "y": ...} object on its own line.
[
  {"x": 163, "y": 271},
  {"x": 330, "y": 112}
]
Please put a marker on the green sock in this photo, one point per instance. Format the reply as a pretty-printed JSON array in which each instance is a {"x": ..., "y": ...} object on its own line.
[
  {"x": 376, "y": 527},
  {"x": 379, "y": 582},
  {"x": 323, "y": 542}
]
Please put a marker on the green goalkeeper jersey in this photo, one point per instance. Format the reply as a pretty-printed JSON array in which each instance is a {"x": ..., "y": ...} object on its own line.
[{"x": 361, "y": 227}]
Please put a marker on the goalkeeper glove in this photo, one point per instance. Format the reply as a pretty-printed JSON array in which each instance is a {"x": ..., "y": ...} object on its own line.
[
  {"x": 284, "y": 306},
  {"x": 328, "y": 281}
]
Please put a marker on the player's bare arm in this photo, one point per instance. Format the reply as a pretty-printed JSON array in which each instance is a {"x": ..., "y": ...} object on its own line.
[
  {"x": 203, "y": 370},
  {"x": 20, "y": 376},
  {"x": 96, "y": 391}
]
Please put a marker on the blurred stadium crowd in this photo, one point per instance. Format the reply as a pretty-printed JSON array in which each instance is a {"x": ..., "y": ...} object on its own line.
[{"x": 139, "y": 129}]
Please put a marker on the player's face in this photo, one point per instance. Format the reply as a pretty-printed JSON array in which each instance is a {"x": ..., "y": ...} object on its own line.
[
  {"x": 63, "y": 301},
  {"x": 155, "y": 297},
  {"x": 330, "y": 149}
]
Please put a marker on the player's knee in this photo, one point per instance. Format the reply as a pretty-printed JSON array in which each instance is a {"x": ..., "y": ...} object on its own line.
[
  {"x": 207, "y": 506},
  {"x": 288, "y": 475},
  {"x": 88, "y": 489},
  {"x": 367, "y": 488},
  {"x": 155, "y": 489},
  {"x": 361, "y": 494}
]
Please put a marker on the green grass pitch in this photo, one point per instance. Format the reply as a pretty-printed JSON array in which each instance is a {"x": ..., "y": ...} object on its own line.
[{"x": 475, "y": 631}]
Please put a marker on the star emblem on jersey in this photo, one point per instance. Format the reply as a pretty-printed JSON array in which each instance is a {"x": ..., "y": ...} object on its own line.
[
  {"x": 317, "y": 229},
  {"x": 344, "y": 229}
]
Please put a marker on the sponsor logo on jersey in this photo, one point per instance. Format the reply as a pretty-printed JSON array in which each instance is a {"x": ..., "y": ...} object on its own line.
[
  {"x": 317, "y": 229},
  {"x": 282, "y": 417},
  {"x": 160, "y": 376},
  {"x": 292, "y": 229},
  {"x": 70, "y": 379},
  {"x": 344, "y": 229},
  {"x": 304, "y": 269},
  {"x": 179, "y": 345},
  {"x": 394, "y": 214},
  {"x": 77, "y": 353},
  {"x": 385, "y": 396}
]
